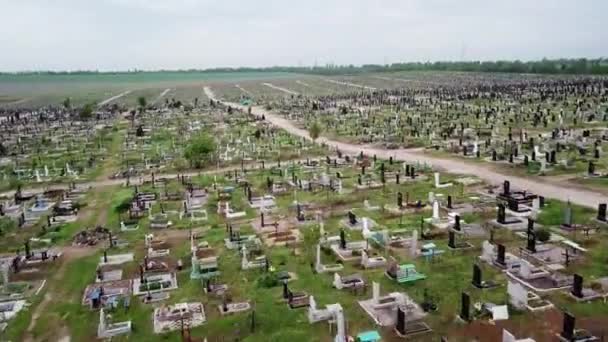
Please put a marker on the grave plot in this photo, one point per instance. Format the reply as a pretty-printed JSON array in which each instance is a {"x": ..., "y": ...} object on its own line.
[
  {"x": 172, "y": 317},
  {"x": 204, "y": 261},
  {"x": 383, "y": 309}
]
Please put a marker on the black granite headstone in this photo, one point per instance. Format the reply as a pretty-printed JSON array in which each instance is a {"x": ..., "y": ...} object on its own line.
[
  {"x": 577, "y": 286},
  {"x": 465, "y": 303},
  {"x": 476, "y": 276},
  {"x": 568, "y": 327},
  {"x": 601, "y": 212},
  {"x": 500, "y": 255}
]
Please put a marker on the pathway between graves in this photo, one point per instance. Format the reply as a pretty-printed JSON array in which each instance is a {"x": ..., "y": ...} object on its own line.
[
  {"x": 348, "y": 84},
  {"x": 270, "y": 85},
  {"x": 116, "y": 97},
  {"x": 165, "y": 92},
  {"x": 558, "y": 190}
]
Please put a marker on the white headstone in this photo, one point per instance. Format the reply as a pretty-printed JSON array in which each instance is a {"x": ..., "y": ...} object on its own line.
[
  {"x": 435, "y": 211},
  {"x": 375, "y": 292}
]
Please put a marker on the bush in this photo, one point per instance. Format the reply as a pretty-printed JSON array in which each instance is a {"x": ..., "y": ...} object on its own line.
[
  {"x": 543, "y": 235},
  {"x": 268, "y": 280}
]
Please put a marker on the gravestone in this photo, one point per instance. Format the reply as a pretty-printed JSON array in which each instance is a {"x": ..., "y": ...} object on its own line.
[
  {"x": 601, "y": 212},
  {"x": 465, "y": 303},
  {"x": 342, "y": 239},
  {"x": 451, "y": 239},
  {"x": 352, "y": 218},
  {"x": 500, "y": 255},
  {"x": 400, "y": 326},
  {"x": 577, "y": 286},
  {"x": 568, "y": 216},
  {"x": 531, "y": 246},
  {"x": 476, "y": 276},
  {"x": 506, "y": 188},
  {"x": 501, "y": 215},
  {"x": 568, "y": 327}
]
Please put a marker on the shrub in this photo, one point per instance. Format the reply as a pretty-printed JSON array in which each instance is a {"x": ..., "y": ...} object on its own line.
[{"x": 543, "y": 235}]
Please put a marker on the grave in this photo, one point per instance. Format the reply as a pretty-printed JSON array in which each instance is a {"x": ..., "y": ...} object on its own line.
[
  {"x": 106, "y": 294},
  {"x": 148, "y": 284},
  {"x": 323, "y": 268},
  {"x": 455, "y": 245},
  {"x": 570, "y": 334},
  {"x": 522, "y": 299},
  {"x": 260, "y": 261},
  {"x": 582, "y": 294},
  {"x": 539, "y": 279},
  {"x": 353, "y": 281},
  {"x": 383, "y": 309},
  {"x": 510, "y": 223},
  {"x": 478, "y": 281},
  {"x": 496, "y": 255},
  {"x": 403, "y": 273},
  {"x": 174, "y": 317},
  {"x": 406, "y": 326},
  {"x": 233, "y": 308},
  {"x": 372, "y": 262},
  {"x": 352, "y": 223},
  {"x": 106, "y": 329},
  {"x": 348, "y": 251},
  {"x": 332, "y": 312},
  {"x": 116, "y": 259},
  {"x": 440, "y": 185},
  {"x": 295, "y": 300}
]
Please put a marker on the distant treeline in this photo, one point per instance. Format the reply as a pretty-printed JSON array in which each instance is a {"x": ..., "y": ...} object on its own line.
[{"x": 546, "y": 66}]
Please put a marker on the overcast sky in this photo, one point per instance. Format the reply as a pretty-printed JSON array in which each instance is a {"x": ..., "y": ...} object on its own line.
[{"x": 174, "y": 34}]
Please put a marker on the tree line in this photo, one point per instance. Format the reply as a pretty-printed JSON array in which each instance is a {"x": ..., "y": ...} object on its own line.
[{"x": 598, "y": 66}]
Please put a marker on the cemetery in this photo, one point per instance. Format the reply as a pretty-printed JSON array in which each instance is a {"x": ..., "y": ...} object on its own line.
[{"x": 198, "y": 216}]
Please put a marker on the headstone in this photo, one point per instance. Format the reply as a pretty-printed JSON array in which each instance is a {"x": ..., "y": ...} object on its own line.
[
  {"x": 501, "y": 215},
  {"x": 435, "y": 211},
  {"x": 451, "y": 239},
  {"x": 601, "y": 212},
  {"x": 352, "y": 218},
  {"x": 500, "y": 255},
  {"x": 531, "y": 246},
  {"x": 465, "y": 303},
  {"x": 568, "y": 216},
  {"x": 568, "y": 327},
  {"x": 577, "y": 286},
  {"x": 476, "y": 276},
  {"x": 400, "y": 325},
  {"x": 506, "y": 188}
]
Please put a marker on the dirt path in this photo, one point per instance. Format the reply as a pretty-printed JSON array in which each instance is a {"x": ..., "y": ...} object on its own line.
[
  {"x": 303, "y": 83},
  {"x": 116, "y": 97},
  {"x": 287, "y": 91},
  {"x": 561, "y": 190},
  {"x": 165, "y": 92},
  {"x": 243, "y": 90},
  {"x": 349, "y": 84}
]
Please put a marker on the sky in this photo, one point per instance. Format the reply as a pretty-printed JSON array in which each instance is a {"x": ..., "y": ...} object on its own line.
[{"x": 183, "y": 34}]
